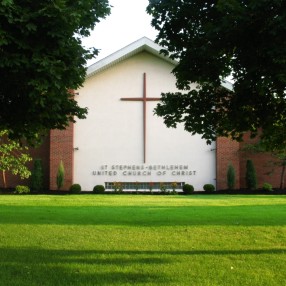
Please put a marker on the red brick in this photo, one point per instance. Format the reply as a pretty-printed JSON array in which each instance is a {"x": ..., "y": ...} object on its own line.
[
  {"x": 41, "y": 152},
  {"x": 61, "y": 148},
  {"x": 264, "y": 164},
  {"x": 227, "y": 152}
]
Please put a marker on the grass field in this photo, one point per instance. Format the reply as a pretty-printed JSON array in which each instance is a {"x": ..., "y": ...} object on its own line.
[{"x": 142, "y": 240}]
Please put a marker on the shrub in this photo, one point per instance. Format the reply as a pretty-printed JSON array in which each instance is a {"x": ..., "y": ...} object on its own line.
[
  {"x": 99, "y": 189},
  {"x": 209, "y": 187},
  {"x": 60, "y": 175},
  {"x": 151, "y": 185},
  {"x": 163, "y": 188},
  {"x": 267, "y": 187},
  {"x": 250, "y": 176},
  {"x": 230, "y": 177},
  {"x": 118, "y": 187},
  {"x": 188, "y": 189},
  {"x": 174, "y": 187},
  {"x": 22, "y": 189},
  {"x": 75, "y": 188},
  {"x": 137, "y": 184},
  {"x": 37, "y": 176}
]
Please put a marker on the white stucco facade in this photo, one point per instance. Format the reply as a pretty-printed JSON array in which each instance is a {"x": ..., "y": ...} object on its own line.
[{"x": 109, "y": 144}]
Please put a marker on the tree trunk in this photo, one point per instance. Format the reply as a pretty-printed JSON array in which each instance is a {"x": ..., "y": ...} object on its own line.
[
  {"x": 4, "y": 179},
  {"x": 282, "y": 175}
]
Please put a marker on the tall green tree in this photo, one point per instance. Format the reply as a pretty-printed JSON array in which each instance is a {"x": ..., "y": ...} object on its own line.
[
  {"x": 42, "y": 60},
  {"x": 250, "y": 175},
  {"x": 212, "y": 40},
  {"x": 230, "y": 177},
  {"x": 13, "y": 158},
  {"x": 61, "y": 175},
  {"x": 37, "y": 176}
]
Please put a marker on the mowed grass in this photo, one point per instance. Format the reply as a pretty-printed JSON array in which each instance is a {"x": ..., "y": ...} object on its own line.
[{"x": 142, "y": 240}]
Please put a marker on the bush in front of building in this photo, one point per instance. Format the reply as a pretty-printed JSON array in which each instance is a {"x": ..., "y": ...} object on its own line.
[
  {"x": 230, "y": 176},
  {"x": 22, "y": 189},
  {"x": 174, "y": 186},
  {"x": 60, "y": 175},
  {"x": 163, "y": 188},
  {"x": 75, "y": 188},
  {"x": 209, "y": 188},
  {"x": 188, "y": 189},
  {"x": 98, "y": 189},
  {"x": 118, "y": 187},
  {"x": 250, "y": 176},
  {"x": 267, "y": 187},
  {"x": 37, "y": 176}
]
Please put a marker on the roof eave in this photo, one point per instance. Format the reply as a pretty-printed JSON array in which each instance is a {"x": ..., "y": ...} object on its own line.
[{"x": 143, "y": 44}]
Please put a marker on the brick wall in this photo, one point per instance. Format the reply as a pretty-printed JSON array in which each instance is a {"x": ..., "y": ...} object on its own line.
[
  {"x": 57, "y": 146},
  {"x": 41, "y": 152},
  {"x": 61, "y": 148},
  {"x": 264, "y": 163},
  {"x": 227, "y": 151}
]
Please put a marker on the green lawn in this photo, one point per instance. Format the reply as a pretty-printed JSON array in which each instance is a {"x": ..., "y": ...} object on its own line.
[{"x": 142, "y": 240}]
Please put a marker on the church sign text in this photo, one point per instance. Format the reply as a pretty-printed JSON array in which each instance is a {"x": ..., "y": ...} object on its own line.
[{"x": 144, "y": 170}]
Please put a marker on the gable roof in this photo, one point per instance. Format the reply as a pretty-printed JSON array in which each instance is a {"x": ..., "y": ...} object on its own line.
[{"x": 143, "y": 44}]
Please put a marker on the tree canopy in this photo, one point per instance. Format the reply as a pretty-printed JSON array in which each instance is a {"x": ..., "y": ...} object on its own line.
[
  {"x": 42, "y": 60},
  {"x": 13, "y": 157},
  {"x": 212, "y": 40}
]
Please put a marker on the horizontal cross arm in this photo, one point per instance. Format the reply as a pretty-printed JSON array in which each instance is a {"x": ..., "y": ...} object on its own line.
[
  {"x": 132, "y": 99},
  {"x": 140, "y": 98}
]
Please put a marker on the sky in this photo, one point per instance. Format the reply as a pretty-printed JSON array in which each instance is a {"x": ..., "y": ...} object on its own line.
[{"x": 127, "y": 23}]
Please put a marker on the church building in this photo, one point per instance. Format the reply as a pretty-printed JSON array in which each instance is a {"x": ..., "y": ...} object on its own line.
[{"x": 122, "y": 140}]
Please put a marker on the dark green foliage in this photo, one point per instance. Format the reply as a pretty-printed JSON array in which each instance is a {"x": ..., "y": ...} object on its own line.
[
  {"x": 13, "y": 156},
  {"x": 98, "y": 189},
  {"x": 188, "y": 189},
  {"x": 250, "y": 176},
  {"x": 22, "y": 189},
  {"x": 230, "y": 177},
  {"x": 61, "y": 175},
  {"x": 41, "y": 60},
  {"x": 37, "y": 176},
  {"x": 75, "y": 188},
  {"x": 209, "y": 187},
  {"x": 212, "y": 40},
  {"x": 267, "y": 187}
]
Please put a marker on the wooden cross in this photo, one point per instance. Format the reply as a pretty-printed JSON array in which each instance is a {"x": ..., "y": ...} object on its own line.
[{"x": 144, "y": 99}]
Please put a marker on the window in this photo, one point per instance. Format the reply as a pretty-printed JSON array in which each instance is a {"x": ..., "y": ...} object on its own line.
[{"x": 145, "y": 186}]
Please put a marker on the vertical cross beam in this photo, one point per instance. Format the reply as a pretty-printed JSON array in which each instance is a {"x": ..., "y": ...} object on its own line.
[{"x": 144, "y": 100}]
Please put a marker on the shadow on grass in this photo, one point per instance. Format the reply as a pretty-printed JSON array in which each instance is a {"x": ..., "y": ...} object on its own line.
[
  {"x": 65, "y": 267},
  {"x": 33, "y": 266},
  {"x": 264, "y": 215},
  {"x": 35, "y": 255}
]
